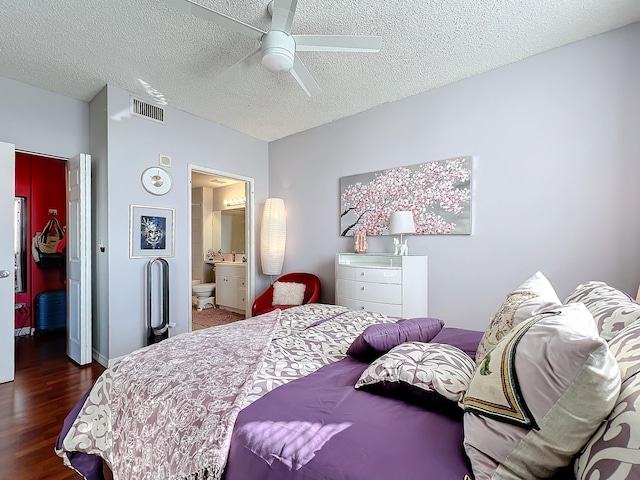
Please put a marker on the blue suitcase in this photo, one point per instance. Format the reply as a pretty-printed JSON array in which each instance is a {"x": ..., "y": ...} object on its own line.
[{"x": 51, "y": 311}]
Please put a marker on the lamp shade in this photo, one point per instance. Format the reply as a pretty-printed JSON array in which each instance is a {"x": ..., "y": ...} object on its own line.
[
  {"x": 273, "y": 236},
  {"x": 401, "y": 222}
]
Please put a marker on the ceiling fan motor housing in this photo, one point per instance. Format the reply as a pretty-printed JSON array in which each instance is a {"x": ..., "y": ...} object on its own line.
[{"x": 278, "y": 51}]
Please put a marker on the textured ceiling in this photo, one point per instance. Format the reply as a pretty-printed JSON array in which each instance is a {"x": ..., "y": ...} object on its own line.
[{"x": 75, "y": 47}]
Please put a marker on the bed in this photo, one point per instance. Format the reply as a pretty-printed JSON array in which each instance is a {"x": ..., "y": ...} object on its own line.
[{"x": 322, "y": 392}]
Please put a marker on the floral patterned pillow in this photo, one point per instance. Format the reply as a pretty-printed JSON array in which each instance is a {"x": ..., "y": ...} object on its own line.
[
  {"x": 534, "y": 296},
  {"x": 428, "y": 372}
]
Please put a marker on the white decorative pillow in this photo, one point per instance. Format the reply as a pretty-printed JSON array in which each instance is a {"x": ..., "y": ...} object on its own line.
[
  {"x": 611, "y": 308},
  {"x": 288, "y": 293},
  {"x": 614, "y": 450},
  {"x": 426, "y": 371},
  {"x": 535, "y": 295},
  {"x": 539, "y": 395}
]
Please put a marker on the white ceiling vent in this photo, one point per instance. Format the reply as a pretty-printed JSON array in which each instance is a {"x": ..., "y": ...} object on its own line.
[{"x": 147, "y": 110}]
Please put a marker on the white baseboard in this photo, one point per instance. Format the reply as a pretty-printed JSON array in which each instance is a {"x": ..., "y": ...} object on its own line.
[
  {"x": 18, "y": 332},
  {"x": 104, "y": 361},
  {"x": 101, "y": 359}
]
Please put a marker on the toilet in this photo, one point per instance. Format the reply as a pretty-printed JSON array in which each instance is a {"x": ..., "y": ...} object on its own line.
[{"x": 202, "y": 295}]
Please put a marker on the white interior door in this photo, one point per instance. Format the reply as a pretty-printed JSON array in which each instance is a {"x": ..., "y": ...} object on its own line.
[
  {"x": 79, "y": 259},
  {"x": 7, "y": 262}
]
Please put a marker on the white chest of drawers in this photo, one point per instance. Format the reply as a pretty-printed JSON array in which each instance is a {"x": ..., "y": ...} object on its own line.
[{"x": 390, "y": 284}]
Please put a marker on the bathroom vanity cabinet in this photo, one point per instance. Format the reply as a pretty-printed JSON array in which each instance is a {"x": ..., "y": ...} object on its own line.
[{"x": 231, "y": 286}]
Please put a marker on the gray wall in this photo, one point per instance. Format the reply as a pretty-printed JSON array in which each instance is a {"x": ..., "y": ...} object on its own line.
[
  {"x": 42, "y": 122},
  {"x": 98, "y": 145},
  {"x": 134, "y": 144},
  {"x": 556, "y": 158}
]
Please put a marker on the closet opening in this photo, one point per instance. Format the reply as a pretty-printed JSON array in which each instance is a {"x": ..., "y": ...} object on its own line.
[{"x": 40, "y": 246}]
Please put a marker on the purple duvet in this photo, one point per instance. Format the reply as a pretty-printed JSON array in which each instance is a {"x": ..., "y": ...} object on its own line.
[{"x": 320, "y": 427}]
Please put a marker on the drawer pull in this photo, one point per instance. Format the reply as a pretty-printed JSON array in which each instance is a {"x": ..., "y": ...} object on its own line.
[
  {"x": 362, "y": 289},
  {"x": 362, "y": 274},
  {"x": 362, "y": 307}
]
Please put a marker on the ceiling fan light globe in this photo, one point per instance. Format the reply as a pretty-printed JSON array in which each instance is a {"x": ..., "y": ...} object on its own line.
[
  {"x": 277, "y": 60},
  {"x": 278, "y": 51}
]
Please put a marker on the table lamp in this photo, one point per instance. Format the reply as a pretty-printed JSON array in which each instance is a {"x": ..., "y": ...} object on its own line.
[{"x": 401, "y": 223}]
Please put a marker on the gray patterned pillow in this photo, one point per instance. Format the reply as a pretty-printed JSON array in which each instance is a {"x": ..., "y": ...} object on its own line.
[
  {"x": 612, "y": 309},
  {"x": 427, "y": 371},
  {"x": 613, "y": 451},
  {"x": 535, "y": 295}
]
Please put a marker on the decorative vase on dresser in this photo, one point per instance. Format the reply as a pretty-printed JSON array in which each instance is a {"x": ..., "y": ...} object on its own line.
[{"x": 378, "y": 282}]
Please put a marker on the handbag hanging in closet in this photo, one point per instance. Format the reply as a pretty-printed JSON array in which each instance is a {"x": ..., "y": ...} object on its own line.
[{"x": 47, "y": 246}]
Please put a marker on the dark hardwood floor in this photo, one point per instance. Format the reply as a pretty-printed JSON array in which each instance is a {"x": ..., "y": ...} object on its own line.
[{"x": 32, "y": 408}]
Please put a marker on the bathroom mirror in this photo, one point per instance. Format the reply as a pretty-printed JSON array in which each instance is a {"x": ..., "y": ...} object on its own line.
[
  {"x": 20, "y": 244},
  {"x": 232, "y": 230}
]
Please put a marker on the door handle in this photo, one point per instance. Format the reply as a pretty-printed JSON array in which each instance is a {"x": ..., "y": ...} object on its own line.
[{"x": 4, "y": 273}]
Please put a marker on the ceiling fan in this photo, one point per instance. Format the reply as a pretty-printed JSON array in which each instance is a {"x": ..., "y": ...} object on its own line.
[{"x": 278, "y": 48}]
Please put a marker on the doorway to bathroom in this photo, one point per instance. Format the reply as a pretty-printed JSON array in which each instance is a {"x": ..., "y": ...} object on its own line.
[{"x": 222, "y": 240}]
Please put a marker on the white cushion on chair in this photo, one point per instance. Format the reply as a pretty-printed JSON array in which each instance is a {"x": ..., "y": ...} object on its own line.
[{"x": 288, "y": 293}]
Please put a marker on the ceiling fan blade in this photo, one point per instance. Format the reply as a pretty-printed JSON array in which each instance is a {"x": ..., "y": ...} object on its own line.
[
  {"x": 240, "y": 68},
  {"x": 282, "y": 15},
  {"x": 304, "y": 78},
  {"x": 337, "y": 43},
  {"x": 187, "y": 6}
]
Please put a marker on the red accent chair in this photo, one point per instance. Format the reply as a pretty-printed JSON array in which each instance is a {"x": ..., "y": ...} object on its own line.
[{"x": 263, "y": 303}]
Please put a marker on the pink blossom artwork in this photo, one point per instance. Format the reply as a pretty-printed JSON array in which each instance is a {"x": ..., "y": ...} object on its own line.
[{"x": 438, "y": 194}]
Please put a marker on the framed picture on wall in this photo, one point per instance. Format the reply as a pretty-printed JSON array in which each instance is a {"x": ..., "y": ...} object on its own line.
[
  {"x": 151, "y": 232},
  {"x": 438, "y": 194}
]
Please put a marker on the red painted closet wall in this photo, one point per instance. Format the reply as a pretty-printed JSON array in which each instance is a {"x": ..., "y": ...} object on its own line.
[{"x": 42, "y": 181}]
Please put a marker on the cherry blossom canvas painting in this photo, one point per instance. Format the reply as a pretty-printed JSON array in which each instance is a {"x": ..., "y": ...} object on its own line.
[{"x": 438, "y": 193}]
